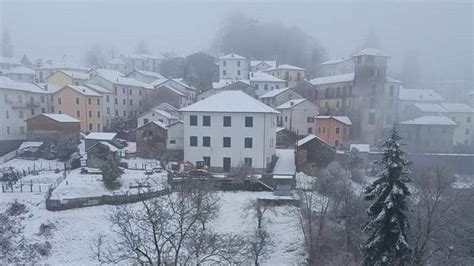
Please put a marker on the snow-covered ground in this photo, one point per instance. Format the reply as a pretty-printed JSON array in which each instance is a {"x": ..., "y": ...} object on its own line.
[
  {"x": 76, "y": 228},
  {"x": 90, "y": 185}
]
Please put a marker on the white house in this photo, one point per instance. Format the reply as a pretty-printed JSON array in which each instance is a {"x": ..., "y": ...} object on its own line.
[
  {"x": 8, "y": 63},
  {"x": 21, "y": 74},
  {"x": 257, "y": 65},
  {"x": 279, "y": 96},
  {"x": 297, "y": 116},
  {"x": 233, "y": 66},
  {"x": 20, "y": 101},
  {"x": 264, "y": 82},
  {"x": 145, "y": 76},
  {"x": 175, "y": 136},
  {"x": 156, "y": 115},
  {"x": 230, "y": 129}
]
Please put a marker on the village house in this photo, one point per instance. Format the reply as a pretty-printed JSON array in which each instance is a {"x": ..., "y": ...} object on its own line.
[
  {"x": 455, "y": 91},
  {"x": 428, "y": 134},
  {"x": 172, "y": 91},
  {"x": 20, "y": 74},
  {"x": 312, "y": 150},
  {"x": 233, "y": 66},
  {"x": 98, "y": 153},
  {"x": 338, "y": 66},
  {"x": 44, "y": 71},
  {"x": 95, "y": 137},
  {"x": 67, "y": 77},
  {"x": 81, "y": 103},
  {"x": 145, "y": 76},
  {"x": 145, "y": 62},
  {"x": 175, "y": 141},
  {"x": 228, "y": 84},
  {"x": 228, "y": 130},
  {"x": 291, "y": 74},
  {"x": 7, "y": 63},
  {"x": 151, "y": 139},
  {"x": 297, "y": 115},
  {"x": 264, "y": 82},
  {"x": 53, "y": 128},
  {"x": 257, "y": 65},
  {"x": 108, "y": 106},
  {"x": 156, "y": 114},
  {"x": 412, "y": 96},
  {"x": 20, "y": 101},
  {"x": 279, "y": 96},
  {"x": 117, "y": 64},
  {"x": 334, "y": 130}
]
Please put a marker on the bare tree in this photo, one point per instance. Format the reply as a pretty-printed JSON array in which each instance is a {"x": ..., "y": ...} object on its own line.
[
  {"x": 96, "y": 56},
  {"x": 259, "y": 245},
  {"x": 258, "y": 210}
]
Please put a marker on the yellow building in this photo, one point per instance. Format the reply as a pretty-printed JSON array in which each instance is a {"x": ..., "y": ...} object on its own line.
[
  {"x": 65, "y": 77},
  {"x": 82, "y": 103},
  {"x": 292, "y": 74}
]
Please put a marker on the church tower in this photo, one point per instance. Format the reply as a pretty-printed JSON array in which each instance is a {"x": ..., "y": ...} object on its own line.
[{"x": 7, "y": 46}]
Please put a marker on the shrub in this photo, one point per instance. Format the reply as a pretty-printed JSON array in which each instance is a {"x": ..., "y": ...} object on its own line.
[{"x": 15, "y": 208}]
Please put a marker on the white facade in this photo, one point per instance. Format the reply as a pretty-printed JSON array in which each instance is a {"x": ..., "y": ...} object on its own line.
[
  {"x": 20, "y": 101},
  {"x": 297, "y": 116},
  {"x": 228, "y": 130},
  {"x": 233, "y": 66},
  {"x": 279, "y": 96},
  {"x": 337, "y": 66},
  {"x": 21, "y": 74},
  {"x": 264, "y": 82},
  {"x": 175, "y": 136}
]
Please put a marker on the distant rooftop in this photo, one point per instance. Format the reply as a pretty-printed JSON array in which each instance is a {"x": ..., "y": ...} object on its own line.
[
  {"x": 101, "y": 136},
  {"x": 334, "y": 61},
  {"x": 7, "y": 83},
  {"x": 333, "y": 79},
  {"x": 20, "y": 70},
  {"x": 273, "y": 93},
  {"x": 419, "y": 95},
  {"x": 342, "y": 119},
  {"x": 232, "y": 56},
  {"x": 257, "y": 62},
  {"x": 262, "y": 76},
  {"x": 430, "y": 120},
  {"x": 290, "y": 104},
  {"x": 370, "y": 51},
  {"x": 62, "y": 118},
  {"x": 285, "y": 67},
  {"x": 83, "y": 90}
]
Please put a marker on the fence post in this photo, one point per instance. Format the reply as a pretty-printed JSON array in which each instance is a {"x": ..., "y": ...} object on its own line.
[
  {"x": 31, "y": 186},
  {"x": 39, "y": 188},
  {"x": 21, "y": 186},
  {"x": 3, "y": 188}
]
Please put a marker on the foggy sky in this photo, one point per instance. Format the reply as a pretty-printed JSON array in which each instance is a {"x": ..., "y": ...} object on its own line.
[{"x": 441, "y": 33}]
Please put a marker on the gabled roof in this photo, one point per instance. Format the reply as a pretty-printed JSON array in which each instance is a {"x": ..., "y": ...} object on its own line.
[
  {"x": 254, "y": 63},
  {"x": 370, "y": 51},
  {"x": 333, "y": 79},
  {"x": 226, "y": 82},
  {"x": 392, "y": 80},
  {"x": 230, "y": 101},
  {"x": 61, "y": 118},
  {"x": 334, "y": 61},
  {"x": 172, "y": 89},
  {"x": 74, "y": 74},
  {"x": 430, "y": 120},
  {"x": 430, "y": 107},
  {"x": 290, "y": 104},
  {"x": 309, "y": 138},
  {"x": 155, "y": 122},
  {"x": 273, "y": 93},
  {"x": 111, "y": 147},
  {"x": 101, "y": 135},
  {"x": 117, "y": 77},
  {"x": 342, "y": 119},
  {"x": 285, "y": 67},
  {"x": 7, "y": 83},
  {"x": 166, "y": 106},
  {"x": 232, "y": 56},
  {"x": 98, "y": 88},
  {"x": 149, "y": 74},
  {"x": 457, "y": 108},
  {"x": 82, "y": 90},
  {"x": 20, "y": 70},
  {"x": 419, "y": 95},
  {"x": 262, "y": 76}
]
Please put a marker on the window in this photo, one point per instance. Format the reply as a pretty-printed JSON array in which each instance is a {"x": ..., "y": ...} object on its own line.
[
  {"x": 336, "y": 142},
  {"x": 227, "y": 121},
  {"x": 226, "y": 142},
  {"x": 22, "y": 130},
  {"x": 277, "y": 87},
  {"x": 124, "y": 113},
  {"x": 90, "y": 113},
  {"x": 248, "y": 121},
  {"x": 78, "y": 113},
  {"x": 140, "y": 103},
  {"x": 310, "y": 119},
  {"x": 108, "y": 110},
  {"x": 193, "y": 120},
  {"x": 469, "y": 119},
  {"x": 77, "y": 100},
  {"x": 8, "y": 130},
  {"x": 193, "y": 141},
  {"x": 131, "y": 102},
  {"x": 238, "y": 63},
  {"x": 123, "y": 90},
  {"x": 42, "y": 99},
  {"x": 224, "y": 72},
  {"x": 32, "y": 111},
  {"x": 391, "y": 90},
  {"x": 206, "y": 121},
  {"x": 172, "y": 141},
  {"x": 226, "y": 164},
  {"x": 107, "y": 98},
  {"x": 90, "y": 126},
  {"x": 238, "y": 72},
  {"x": 124, "y": 101},
  {"x": 43, "y": 110},
  {"x": 116, "y": 101},
  {"x": 319, "y": 129},
  {"x": 145, "y": 121},
  {"x": 115, "y": 89},
  {"x": 207, "y": 160},
  {"x": 248, "y": 143},
  {"x": 89, "y": 100},
  {"x": 324, "y": 129},
  {"x": 337, "y": 130},
  {"x": 206, "y": 141},
  {"x": 224, "y": 63},
  {"x": 59, "y": 100},
  {"x": 98, "y": 113},
  {"x": 310, "y": 130},
  {"x": 467, "y": 131},
  {"x": 116, "y": 113},
  {"x": 98, "y": 127},
  {"x": 371, "y": 118},
  {"x": 248, "y": 162},
  {"x": 98, "y": 101},
  {"x": 20, "y": 114},
  {"x": 344, "y": 130},
  {"x": 337, "y": 104},
  {"x": 60, "y": 112}
]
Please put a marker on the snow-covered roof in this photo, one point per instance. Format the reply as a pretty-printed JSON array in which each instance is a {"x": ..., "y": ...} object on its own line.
[
  {"x": 290, "y": 104},
  {"x": 430, "y": 120},
  {"x": 225, "y": 82},
  {"x": 75, "y": 74},
  {"x": 98, "y": 88},
  {"x": 83, "y": 90},
  {"x": 430, "y": 107},
  {"x": 164, "y": 113},
  {"x": 174, "y": 83},
  {"x": 305, "y": 139},
  {"x": 116, "y": 61},
  {"x": 273, "y": 93},
  {"x": 232, "y": 56},
  {"x": 64, "y": 66},
  {"x": 262, "y": 76},
  {"x": 419, "y": 95},
  {"x": 7, "y": 83},
  {"x": 285, "y": 164},
  {"x": 360, "y": 147},
  {"x": 111, "y": 147},
  {"x": 150, "y": 74},
  {"x": 101, "y": 136},
  {"x": 457, "y": 108},
  {"x": 30, "y": 144},
  {"x": 180, "y": 81},
  {"x": 62, "y": 118},
  {"x": 370, "y": 51},
  {"x": 285, "y": 67},
  {"x": 167, "y": 86},
  {"x": 117, "y": 77},
  {"x": 160, "y": 124},
  {"x": 334, "y": 61},
  {"x": 166, "y": 106},
  {"x": 392, "y": 80},
  {"x": 333, "y": 79},
  {"x": 254, "y": 63},
  {"x": 20, "y": 70},
  {"x": 342, "y": 119},
  {"x": 12, "y": 61},
  {"x": 230, "y": 101},
  {"x": 278, "y": 129}
]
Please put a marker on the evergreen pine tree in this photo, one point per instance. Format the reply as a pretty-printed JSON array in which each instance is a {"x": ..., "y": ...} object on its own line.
[
  {"x": 111, "y": 171},
  {"x": 387, "y": 243}
]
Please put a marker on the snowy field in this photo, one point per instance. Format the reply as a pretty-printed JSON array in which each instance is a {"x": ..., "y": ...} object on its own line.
[
  {"x": 90, "y": 185},
  {"x": 76, "y": 228}
]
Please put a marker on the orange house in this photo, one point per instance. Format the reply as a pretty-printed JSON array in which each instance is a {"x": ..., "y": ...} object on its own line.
[
  {"x": 82, "y": 103},
  {"x": 334, "y": 130}
]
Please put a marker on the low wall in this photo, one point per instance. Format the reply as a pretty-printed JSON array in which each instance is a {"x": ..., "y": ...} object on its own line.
[{"x": 65, "y": 204}]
